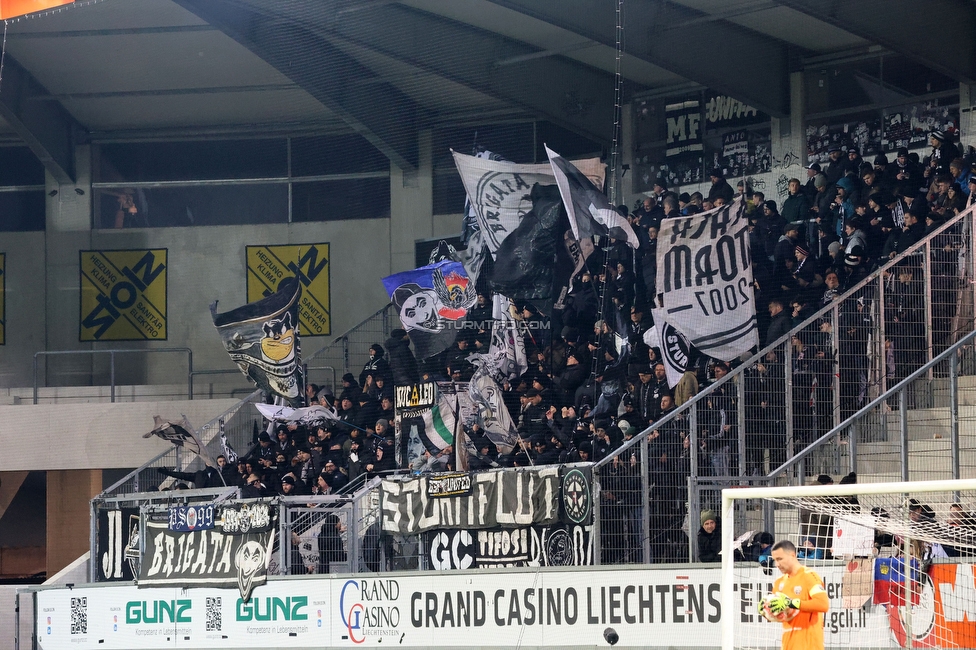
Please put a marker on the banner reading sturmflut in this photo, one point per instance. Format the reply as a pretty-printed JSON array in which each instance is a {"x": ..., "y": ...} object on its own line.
[
  {"x": 497, "y": 499},
  {"x": 705, "y": 275}
]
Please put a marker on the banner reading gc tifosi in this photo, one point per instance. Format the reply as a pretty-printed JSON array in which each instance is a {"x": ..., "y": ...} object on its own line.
[
  {"x": 705, "y": 275},
  {"x": 497, "y": 499},
  {"x": 123, "y": 295},
  {"x": 267, "y": 266}
]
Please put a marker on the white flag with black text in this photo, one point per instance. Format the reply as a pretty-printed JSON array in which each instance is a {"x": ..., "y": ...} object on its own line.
[{"x": 704, "y": 274}]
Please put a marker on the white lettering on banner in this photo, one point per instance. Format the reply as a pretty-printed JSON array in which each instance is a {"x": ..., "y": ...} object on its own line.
[
  {"x": 705, "y": 275},
  {"x": 495, "y": 499},
  {"x": 684, "y": 127},
  {"x": 648, "y": 607},
  {"x": 959, "y": 599}
]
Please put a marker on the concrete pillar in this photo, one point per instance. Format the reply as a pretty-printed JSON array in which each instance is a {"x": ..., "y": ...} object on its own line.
[
  {"x": 69, "y": 219},
  {"x": 411, "y": 207},
  {"x": 967, "y": 116},
  {"x": 68, "y": 516},
  {"x": 788, "y": 134}
]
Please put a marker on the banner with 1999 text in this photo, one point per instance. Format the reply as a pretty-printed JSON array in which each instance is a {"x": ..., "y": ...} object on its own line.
[{"x": 704, "y": 273}]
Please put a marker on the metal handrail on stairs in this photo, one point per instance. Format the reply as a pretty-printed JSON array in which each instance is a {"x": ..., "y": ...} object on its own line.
[{"x": 899, "y": 390}]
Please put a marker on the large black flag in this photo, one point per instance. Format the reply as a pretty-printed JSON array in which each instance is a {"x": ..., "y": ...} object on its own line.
[
  {"x": 523, "y": 268},
  {"x": 262, "y": 339},
  {"x": 588, "y": 209}
]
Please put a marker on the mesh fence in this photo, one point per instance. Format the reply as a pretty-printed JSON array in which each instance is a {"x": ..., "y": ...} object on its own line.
[
  {"x": 240, "y": 424},
  {"x": 843, "y": 348},
  {"x": 348, "y": 352}
]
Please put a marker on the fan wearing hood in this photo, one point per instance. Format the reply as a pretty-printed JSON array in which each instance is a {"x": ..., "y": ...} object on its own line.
[{"x": 377, "y": 366}]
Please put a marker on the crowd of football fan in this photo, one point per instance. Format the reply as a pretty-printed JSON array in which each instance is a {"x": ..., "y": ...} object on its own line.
[{"x": 580, "y": 399}]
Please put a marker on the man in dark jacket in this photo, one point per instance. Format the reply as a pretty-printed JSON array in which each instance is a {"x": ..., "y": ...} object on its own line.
[
  {"x": 837, "y": 165},
  {"x": 797, "y": 205},
  {"x": 709, "y": 538},
  {"x": 720, "y": 188},
  {"x": 377, "y": 366},
  {"x": 780, "y": 323},
  {"x": 403, "y": 365}
]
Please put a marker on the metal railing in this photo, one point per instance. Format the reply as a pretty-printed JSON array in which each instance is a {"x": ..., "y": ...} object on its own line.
[
  {"x": 784, "y": 399},
  {"x": 239, "y": 423},
  {"x": 893, "y": 441},
  {"x": 343, "y": 352},
  {"x": 346, "y": 350},
  {"x": 50, "y": 353}
]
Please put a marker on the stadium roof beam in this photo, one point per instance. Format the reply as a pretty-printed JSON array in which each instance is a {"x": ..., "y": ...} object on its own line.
[
  {"x": 379, "y": 112},
  {"x": 573, "y": 95},
  {"x": 938, "y": 35},
  {"x": 739, "y": 62},
  {"x": 41, "y": 121}
]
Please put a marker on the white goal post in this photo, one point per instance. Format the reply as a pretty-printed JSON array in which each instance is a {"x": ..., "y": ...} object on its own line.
[{"x": 889, "y": 508}]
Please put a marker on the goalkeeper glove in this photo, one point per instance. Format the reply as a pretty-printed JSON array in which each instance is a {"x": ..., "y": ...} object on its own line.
[{"x": 781, "y": 603}]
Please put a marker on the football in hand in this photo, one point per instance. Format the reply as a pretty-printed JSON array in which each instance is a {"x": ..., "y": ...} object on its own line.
[{"x": 767, "y": 613}]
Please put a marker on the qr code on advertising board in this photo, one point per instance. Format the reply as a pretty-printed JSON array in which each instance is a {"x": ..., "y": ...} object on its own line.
[
  {"x": 79, "y": 615},
  {"x": 213, "y": 614}
]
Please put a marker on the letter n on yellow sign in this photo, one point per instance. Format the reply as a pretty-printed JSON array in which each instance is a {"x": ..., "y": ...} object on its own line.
[
  {"x": 269, "y": 265},
  {"x": 123, "y": 295}
]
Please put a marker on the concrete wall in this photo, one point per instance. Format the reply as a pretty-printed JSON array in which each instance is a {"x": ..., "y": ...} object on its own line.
[
  {"x": 205, "y": 264},
  {"x": 25, "y": 322},
  {"x": 89, "y": 436}
]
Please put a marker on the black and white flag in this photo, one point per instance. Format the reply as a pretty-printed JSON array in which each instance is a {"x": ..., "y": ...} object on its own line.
[
  {"x": 181, "y": 434},
  {"x": 262, "y": 339},
  {"x": 704, "y": 274},
  {"x": 674, "y": 347},
  {"x": 499, "y": 192},
  {"x": 588, "y": 208},
  {"x": 492, "y": 413}
]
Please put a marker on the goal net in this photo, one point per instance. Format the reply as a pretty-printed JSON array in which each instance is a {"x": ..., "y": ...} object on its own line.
[{"x": 896, "y": 560}]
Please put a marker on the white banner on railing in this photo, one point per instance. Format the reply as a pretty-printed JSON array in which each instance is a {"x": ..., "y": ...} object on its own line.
[{"x": 648, "y": 607}]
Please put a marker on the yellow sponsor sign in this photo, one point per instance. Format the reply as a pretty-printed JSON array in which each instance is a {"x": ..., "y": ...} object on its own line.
[
  {"x": 123, "y": 295},
  {"x": 269, "y": 265},
  {"x": 3, "y": 298}
]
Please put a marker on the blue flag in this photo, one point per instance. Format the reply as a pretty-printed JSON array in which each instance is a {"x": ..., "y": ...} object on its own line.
[{"x": 430, "y": 300}]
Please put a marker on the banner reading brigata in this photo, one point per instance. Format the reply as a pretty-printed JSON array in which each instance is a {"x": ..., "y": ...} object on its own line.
[
  {"x": 267, "y": 266},
  {"x": 123, "y": 295},
  {"x": 234, "y": 552},
  {"x": 705, "y": 275}
]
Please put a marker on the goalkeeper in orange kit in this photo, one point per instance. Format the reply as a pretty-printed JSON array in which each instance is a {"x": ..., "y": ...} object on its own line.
[{"x": 800, "y": 594}]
